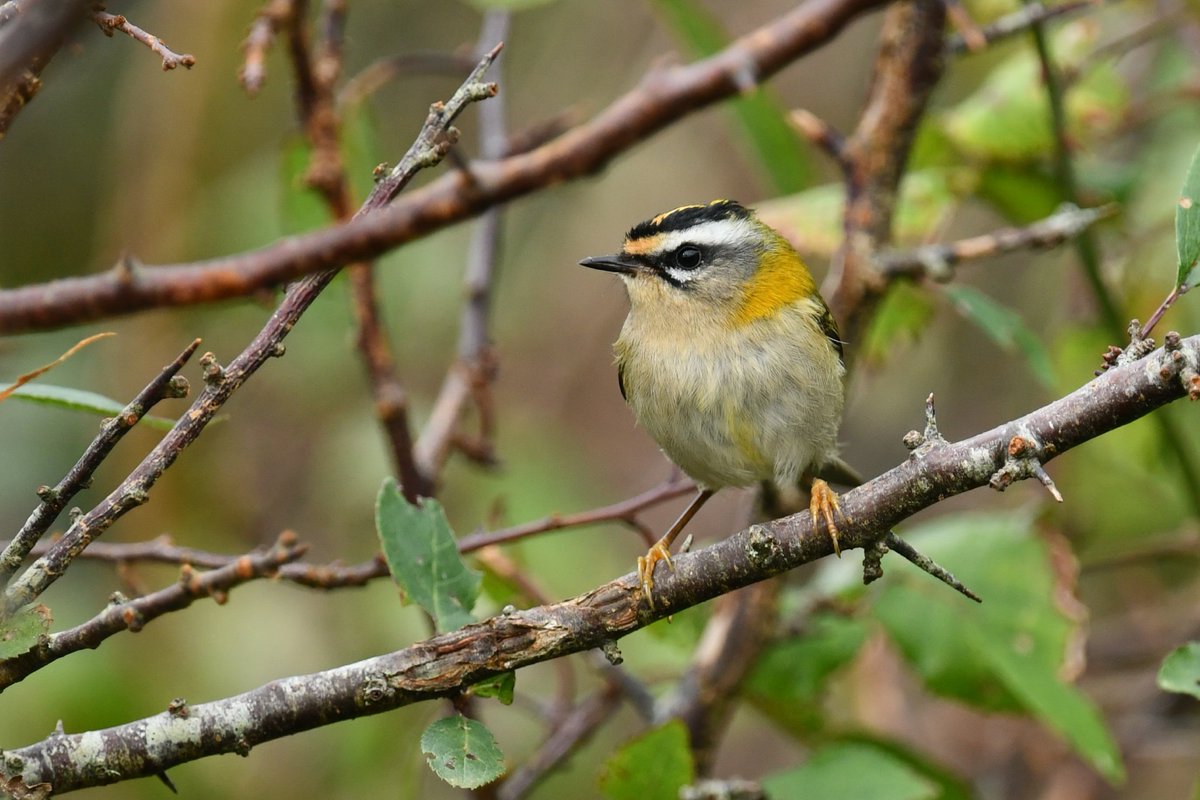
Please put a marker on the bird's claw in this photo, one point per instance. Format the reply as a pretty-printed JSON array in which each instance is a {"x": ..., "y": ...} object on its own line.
[
  {"x": 646, "y": 565},
  {"x": 824, "y": 501}
]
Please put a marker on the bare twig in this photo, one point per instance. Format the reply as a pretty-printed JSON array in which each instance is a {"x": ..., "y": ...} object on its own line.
[
  {"x": 132, "y": 615},
  {"x": 221, "y": 383},
  {"x": 378, "y": 73},
  {"x": 116, "y": 22},
  {"x": 444, "y": 664},
  {"x": 665, "y": 95},
  {"x": 54, "y": 499},
  {"x": 1019, "y": 22},
  {"x": 937, "y": 260},
  {"x": 625, "y": 511},
  {"x": 567, "y": 737},
  {"x": 270, "y": 19},
  {"x": 474, "y": 369}
]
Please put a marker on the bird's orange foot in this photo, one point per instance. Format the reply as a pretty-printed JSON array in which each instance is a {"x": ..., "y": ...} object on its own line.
[
  {"x": 825, "y": 502},
  {"x": 647, "y": 563}
]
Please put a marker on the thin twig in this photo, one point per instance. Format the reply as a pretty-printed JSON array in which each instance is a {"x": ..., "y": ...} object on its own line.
[
  {"x": 474, "y": 369},
  {"x": 566, "y": 738},
  {"x": 221, "y": 383},
  {"x": 937, "y": 260},
  {"x": 446, "y": 663},
  {"x": 116, "y": 22},
  {"x": 1019, "y": 22},
  {"x": 133, "y": 615},
  {"x": 378, "y": 73},
  {"x": 54, "y": 499},
  {"x": 269, "y": 20},
  {"x": 624, "y": 511}
]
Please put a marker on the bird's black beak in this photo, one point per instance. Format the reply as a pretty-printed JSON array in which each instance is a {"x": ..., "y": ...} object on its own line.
[{"x": 618, "y": 263}]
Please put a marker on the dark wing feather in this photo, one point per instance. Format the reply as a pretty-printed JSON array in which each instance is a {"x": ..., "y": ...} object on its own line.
[
  {"x": 621, "y": 381},
  {"x": 830, "y": 329}
]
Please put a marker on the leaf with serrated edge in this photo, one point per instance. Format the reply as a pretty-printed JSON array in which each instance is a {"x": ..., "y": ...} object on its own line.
[
  {"x": 1187, "y": 225},
  {"x": 423, "y": 557},
  {"x": 462, "y": 752}
]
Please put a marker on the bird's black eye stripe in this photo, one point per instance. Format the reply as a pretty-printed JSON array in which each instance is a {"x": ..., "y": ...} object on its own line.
[{"x": 688, "y": 256}]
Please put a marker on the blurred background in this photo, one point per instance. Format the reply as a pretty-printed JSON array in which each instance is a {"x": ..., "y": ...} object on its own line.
[{"x": 116, "y": 157}]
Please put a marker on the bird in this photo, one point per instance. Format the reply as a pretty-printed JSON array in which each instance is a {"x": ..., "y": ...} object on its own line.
[{"x": 729, "y": 358}]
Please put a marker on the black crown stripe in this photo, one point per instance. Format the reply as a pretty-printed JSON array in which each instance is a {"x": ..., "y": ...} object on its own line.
[{"x": 688, "y": 216}]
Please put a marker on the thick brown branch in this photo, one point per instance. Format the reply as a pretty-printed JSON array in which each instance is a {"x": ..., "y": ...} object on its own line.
[
  {"x": 445, "y": 664},
  {"x": 659, "y": 101},
  {"x": 907, "y": 68}
]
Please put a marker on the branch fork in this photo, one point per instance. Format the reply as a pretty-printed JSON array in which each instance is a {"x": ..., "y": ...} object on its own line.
[{"x": 1024, "y": 460}]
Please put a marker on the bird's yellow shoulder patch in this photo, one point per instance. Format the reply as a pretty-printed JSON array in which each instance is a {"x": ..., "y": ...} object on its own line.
[{"x": 781, "y": 280}]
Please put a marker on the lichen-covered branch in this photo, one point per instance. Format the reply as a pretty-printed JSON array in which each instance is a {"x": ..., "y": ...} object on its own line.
[{"x": 443, "y": 665}]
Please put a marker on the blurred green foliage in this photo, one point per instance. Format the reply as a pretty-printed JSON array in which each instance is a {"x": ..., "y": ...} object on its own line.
[{"x": 114, "y": 157}]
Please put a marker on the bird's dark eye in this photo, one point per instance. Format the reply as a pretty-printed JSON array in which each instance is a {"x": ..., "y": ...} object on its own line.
[{"x": 688, "y": 257}]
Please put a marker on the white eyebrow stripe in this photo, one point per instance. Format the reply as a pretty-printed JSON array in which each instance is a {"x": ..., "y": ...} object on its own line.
[{"x": 715, "y": 232}]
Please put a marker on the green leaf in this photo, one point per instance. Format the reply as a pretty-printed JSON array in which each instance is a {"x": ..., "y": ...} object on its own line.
[
  {"x": 1003, "y": 655},
  {"x": 787, "y": 684},
  {"x": 654, "y": 766},
  {"x": 1180, "y": 670},
  {"x": 1004, "y": 327},
  {"x": 498, "y": 686},
  {"x": 423, "y": 557},
  {"x": 81, "y": 400},
  {"x": 20, "y": 632},
  {"x": 1187, "y": 225},
  {"x": 812, "y": 219},
  {"x": 1021, "y": 194},
  {"x": 902, "y": 316},
  {"x": 844, "y": 770},
  {"x": 462, "y": 752},
  {"x": 1008, "y": 117},
  {"x": 301, "y": 207},
  {"x": 782, "y": 153}
]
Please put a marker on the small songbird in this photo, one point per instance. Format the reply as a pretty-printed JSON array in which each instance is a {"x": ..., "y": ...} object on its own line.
[{"x": 729, "y": 358}]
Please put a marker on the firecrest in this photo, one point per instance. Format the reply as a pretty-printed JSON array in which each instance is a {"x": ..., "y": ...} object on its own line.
[{"x": 729, "y": 357}]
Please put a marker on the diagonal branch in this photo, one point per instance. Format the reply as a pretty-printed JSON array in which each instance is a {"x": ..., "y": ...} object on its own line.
[
  {"x": 444, "y": 664},
  {"x": 132, "y": 615},
  {"x": 221, "y": 382},
  {"x": 54, "y": 499},
  {"x": 663, "y": 96}
]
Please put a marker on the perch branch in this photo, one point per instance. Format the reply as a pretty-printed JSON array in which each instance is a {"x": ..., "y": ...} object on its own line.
[
  {"x": 664, "y": 95},
  {"x": 443, "y": 665}
]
